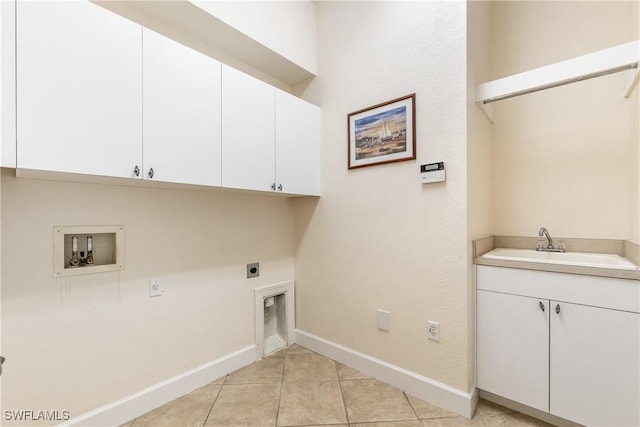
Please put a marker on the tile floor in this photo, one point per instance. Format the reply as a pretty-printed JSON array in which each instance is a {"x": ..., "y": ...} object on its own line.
[{"x": 297, "y": 387}]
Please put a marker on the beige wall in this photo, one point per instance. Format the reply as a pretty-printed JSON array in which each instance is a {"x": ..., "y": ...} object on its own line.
[
  {"x": 378, "y": 238},
  {"x": 561, "y": 156},
  {"x": 81, "y": 342},
  {"x": 295, "y": 21},
  {"x": 634, "y": 138},
  {"x": 479, "y": 148}
]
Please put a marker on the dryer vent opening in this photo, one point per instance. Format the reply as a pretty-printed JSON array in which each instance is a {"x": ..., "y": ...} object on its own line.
[{"x": 275, "y": 323}]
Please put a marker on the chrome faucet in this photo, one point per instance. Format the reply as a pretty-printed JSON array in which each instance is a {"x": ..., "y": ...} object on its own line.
[{"x": 550, "y": 248}]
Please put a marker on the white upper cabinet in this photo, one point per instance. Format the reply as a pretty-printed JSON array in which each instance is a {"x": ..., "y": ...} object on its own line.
[
  {"x": 79, "y": 89},
  {"x": 248, "y": 132},
  {"x": 181, "y": 119},
  {"x": 270, "y": 139},
  {"x": 100, "y": 95},
  {"x": 7, "y": 84},
  {"x": 297, "y": 145}
]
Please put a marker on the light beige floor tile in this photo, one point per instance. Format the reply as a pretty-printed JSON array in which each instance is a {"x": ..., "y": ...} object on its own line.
[
  {"x": 295, "y": 348},
  {"x": 516, "y": 419},
  {"x": 390, "y": 424},
  {"x": 447, "y": 422},
  {"x": 309, "y": 367},
  {"x": 189, "y": 410},
  {"x": 127, "y": 424},
  {"x": 219, "y": 381},
  {"x": 348, "y": 373},
  {"x": 498, "y": 420},
  {"x": 267, "y": 370},
  {"x": 427, "y": 410},
  {"x": 304, "y": 403},
  {"x": 486, "y": 408},
  {"x": 372, "y": 400},
  {"x": 245, "y": 405}
]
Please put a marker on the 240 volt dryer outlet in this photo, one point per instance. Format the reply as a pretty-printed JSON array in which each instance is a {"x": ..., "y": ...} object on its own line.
[{"x": 253, "y": 270}]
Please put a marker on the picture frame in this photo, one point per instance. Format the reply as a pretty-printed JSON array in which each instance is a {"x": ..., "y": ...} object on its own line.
[{"x": 383, "y": 133}]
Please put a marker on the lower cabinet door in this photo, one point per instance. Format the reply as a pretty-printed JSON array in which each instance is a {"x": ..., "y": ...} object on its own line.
[
  {"x": 594, "y": 368},
  {"x": 513, "y": 347}
]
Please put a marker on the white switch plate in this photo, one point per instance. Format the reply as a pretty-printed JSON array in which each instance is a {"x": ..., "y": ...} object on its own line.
[
  {"x": 433, "y": 330},
  {"x": 384, "y": 320},
  {"x": 155, "y": 288}
]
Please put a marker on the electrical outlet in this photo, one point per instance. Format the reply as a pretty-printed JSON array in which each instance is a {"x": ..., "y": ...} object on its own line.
[
  {"x": 253, "y": 270},
  {"x": 433, "y": 330},
  {"x": 155, "y": 288}
]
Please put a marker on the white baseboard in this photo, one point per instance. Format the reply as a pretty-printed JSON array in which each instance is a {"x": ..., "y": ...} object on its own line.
[
  {"x": 439, "y": 394},
  {"x": 123, "y": 410}
]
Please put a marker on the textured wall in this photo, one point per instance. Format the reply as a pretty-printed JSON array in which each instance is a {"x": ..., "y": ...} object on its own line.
[
  {"x": 561, "y": 156},
  {"x": 479, "y": 148},
  {"x": 378, "y": 238},
  {"x": 81, "y": 342},
  {"x": 294, "y": 22},
  {"x": 634, "y": 138}
]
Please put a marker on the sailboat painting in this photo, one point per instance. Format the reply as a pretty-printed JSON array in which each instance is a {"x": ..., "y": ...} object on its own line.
[{"x": 383, "y": 133}]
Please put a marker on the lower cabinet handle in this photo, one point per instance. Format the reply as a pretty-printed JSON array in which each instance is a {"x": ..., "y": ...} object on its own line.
[
  {"x": 557, "y": 308},
  {"x": 273, "y": 186},
  {"x": 151, "y": 173},
  {"x": 541, "y": 305},
  {"x": 280, "y": 187},
  {"x": 136, "y": 171}
]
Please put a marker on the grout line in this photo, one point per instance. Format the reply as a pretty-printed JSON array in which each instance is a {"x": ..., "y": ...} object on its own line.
[
  {"x": 411, "y": 406},
  {"x": 344, "y": 403},
  {"x": 284, "y": 363},
  {"x": 214, "y": 401}
]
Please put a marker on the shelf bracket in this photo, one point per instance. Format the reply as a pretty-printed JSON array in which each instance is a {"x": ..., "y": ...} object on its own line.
[
  {"x": 487, "y": 110},
  {"x": 632, "y": 80}
]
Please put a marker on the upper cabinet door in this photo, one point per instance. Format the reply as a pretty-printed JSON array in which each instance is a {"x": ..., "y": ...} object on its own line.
[
  {"x": 181, "y": 113},
  {"x": 248, "y": 132},
  {"x": 297, "y": 145},
  {"x": 79, "y": 89}
]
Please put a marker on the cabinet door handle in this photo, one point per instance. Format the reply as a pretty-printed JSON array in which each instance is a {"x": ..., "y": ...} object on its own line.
[
  {"x": 273, "y": 186},
  {"x": 2, "y": 359},
  {"x": 136, "y": 171},
  {"x": 557, "y": 308},
  {"x": 541, "y": 305},
  {"x": 151, "y": 173},
  {"x": 280, "y": 187}
]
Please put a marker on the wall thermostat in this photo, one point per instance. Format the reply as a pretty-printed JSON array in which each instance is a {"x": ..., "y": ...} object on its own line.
[{"x": 432, "y": 172}]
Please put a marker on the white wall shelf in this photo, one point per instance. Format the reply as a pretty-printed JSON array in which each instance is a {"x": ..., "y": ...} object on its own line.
[{"x": 624, "y": 57}]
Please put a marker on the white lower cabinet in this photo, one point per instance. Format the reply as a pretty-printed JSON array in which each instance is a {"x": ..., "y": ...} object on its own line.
[
  {"x": 594, "y": 362},
  {"x": 574, "y": 359},
  {"x": 509, "y": 364}
]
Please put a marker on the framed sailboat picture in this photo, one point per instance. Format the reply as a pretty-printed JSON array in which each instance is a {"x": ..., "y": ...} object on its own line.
[{"x": 384, "y": 133}]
